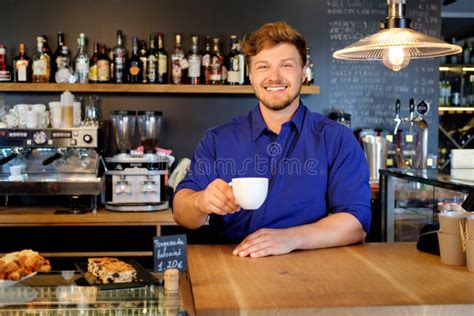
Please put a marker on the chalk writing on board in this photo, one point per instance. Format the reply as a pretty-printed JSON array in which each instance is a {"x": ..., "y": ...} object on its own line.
[
  {"x": 170, "y": 252},
  {"x": 368, "y": 89}
]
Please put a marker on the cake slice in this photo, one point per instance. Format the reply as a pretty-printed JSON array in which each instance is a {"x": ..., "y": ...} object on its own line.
[{"x": 111, "y": 270}]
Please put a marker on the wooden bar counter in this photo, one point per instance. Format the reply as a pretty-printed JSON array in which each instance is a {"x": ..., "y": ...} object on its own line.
[{"x": 369, "y": 279}]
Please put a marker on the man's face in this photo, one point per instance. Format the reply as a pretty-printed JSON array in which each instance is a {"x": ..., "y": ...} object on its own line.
[{"x": 277, "y": 76}]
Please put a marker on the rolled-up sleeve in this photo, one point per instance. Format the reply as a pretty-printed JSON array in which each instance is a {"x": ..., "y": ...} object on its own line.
[
  {"x": 348, "y": 180},
  {"x": 202, "y": 170}
]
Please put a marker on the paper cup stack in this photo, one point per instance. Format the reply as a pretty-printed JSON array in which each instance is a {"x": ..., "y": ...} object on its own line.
[
  {"x": 451, "y": 237},
  {"x": 470, "y": 242}
]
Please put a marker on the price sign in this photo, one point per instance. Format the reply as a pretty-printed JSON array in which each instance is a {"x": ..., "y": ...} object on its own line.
[{"x": 169, "y": 252}]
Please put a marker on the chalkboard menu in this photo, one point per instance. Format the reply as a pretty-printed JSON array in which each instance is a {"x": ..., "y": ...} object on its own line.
[
  {"x": 169, "y": 252},
  {"x": 367, "y": 89}
]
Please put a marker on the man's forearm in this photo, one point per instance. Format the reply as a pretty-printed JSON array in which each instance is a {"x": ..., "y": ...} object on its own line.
[
  {"x": 186, "y": 211},
  {"x": 338, "y": 229}
]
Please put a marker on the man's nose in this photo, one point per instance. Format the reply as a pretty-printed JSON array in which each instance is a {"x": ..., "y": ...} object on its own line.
[{"x": 274, "y": 73}]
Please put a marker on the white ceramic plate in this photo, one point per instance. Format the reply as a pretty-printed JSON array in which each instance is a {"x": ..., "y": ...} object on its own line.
[{"x": 7, "y": 283}]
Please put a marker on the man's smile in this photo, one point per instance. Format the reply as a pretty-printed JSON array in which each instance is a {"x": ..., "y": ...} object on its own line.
[{"x": 276, "y": 88}]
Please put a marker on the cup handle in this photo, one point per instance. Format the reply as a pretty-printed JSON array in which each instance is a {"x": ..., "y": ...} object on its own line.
[{"x": 463, "y": 236}]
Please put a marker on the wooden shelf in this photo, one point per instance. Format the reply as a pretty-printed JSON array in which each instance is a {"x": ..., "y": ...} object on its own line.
[
  {"x": 453, "y": 109},
  {"x": 135, "y": 88}
]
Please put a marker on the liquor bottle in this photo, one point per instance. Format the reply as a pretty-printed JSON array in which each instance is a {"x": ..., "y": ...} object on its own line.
[
  {"x": 120, "y": 60},
  {"x": 22, "y": 66},
  {"x": 162, "y": 60},
  {"x": 216, "y": 63},
  {"x": 41, "y": 63},
  {"x": 194, "y": 60},
  {"x": 143, "y": 58},
  {"x": 235, "y": 63},
  {"x": 103, "y": 65},
  {"x": 46, "y": 48},
  {"x": 57, "y": 52},
  {"x": 152, "y": 61},
  {"x": 5, "y": 74},
  {"x": 48, "y": 51},
  {"x": 93, "y": 68},
  {"x": 64, "y": 73},
  {"x": 206, "y": 62},
  {"x": 81, "y": 60},
  {"x": 110, "y": 53},
  {"x": 466, "y": 52},
  {"x": 135, "y": 67},
  {"x": 309, "y": 68},
  {"x": 455, "y": 59},
  {"x": 179, "y": 64}
]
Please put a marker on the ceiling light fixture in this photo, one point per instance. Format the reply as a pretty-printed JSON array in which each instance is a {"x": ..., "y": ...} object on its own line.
[{"x": 396, "y": 43}]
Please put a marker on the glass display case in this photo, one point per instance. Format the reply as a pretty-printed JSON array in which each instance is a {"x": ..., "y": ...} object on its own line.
[
  {"x": 52, "y": 294},
  {"x": 412, "y": 199}
]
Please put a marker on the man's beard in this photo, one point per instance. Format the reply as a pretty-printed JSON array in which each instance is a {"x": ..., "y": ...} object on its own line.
[{"x": 276, "y": 104}]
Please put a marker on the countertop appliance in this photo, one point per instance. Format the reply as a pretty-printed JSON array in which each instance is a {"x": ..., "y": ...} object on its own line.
[
  {"x": 49, "y": 161},
  {"x": 137, "y": 181}
]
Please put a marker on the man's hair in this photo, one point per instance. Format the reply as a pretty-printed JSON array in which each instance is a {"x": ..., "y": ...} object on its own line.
[{"x": 271, "y": 34}]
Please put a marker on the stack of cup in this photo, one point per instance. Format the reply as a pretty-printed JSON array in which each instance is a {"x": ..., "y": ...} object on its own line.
[
  {"x": 470, "y": 242},
  {"x": 450, "y": 237},
  {"x": 37, "y": 117},
  {"x": 22, "y": 111},
  {"x": 55, "y": 114}
]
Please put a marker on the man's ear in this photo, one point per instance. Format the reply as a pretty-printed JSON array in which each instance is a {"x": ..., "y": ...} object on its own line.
[
  {"x": 303, "y": 79},
  {"x": 250, "y": 77}
]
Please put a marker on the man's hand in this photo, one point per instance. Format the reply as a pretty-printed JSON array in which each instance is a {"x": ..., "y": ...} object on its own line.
[
  {"x": 217, "y": 198},
  {"x": 266, "y": 242}
]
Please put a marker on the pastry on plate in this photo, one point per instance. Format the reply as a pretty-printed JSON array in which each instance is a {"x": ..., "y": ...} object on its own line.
[
  {"x": 16, "y": 265},
  {"x": 111, "y": 270}
]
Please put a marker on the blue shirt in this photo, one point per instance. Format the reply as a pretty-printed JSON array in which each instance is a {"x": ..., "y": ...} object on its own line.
[{"x": 315, "y": 167}]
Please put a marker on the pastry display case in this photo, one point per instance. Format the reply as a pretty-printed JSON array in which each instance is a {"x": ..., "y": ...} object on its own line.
[
  {"x": 61, "y": 293},
  {"x": 412, "y": 199}
]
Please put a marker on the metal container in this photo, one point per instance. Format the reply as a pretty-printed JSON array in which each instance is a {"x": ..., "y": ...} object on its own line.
[{"x": 376, "y": 152}]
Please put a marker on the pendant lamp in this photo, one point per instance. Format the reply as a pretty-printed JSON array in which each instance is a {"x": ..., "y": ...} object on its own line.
[{"x": 396, "y": 43}]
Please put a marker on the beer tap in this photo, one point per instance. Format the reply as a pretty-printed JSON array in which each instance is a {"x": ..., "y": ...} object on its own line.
[
  {"x": 421, "y": 109},
  {"x": 411, "y": 108},
  {"x": 397, "y": 118}
]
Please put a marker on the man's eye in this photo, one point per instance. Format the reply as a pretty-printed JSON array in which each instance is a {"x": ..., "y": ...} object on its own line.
[
  {"x": 288, "y": 65},
  {"x": 261, "y": 67}
]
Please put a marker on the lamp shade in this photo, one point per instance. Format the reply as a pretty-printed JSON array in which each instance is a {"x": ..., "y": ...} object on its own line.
[
  {"x": 375, "y": 46},
  {"x": 397, "y": 43}
]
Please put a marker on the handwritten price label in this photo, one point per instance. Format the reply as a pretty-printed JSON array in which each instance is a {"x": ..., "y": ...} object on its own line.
[{"x": 169, "y": 252}]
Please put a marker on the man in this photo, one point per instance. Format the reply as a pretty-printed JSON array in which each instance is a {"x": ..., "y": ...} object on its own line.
[{"x": 319, "y": 194}]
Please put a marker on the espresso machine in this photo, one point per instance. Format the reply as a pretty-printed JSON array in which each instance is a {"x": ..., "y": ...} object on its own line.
[
  {"x": 137, "y": 180},
  {"x": 51, "y": 162}
]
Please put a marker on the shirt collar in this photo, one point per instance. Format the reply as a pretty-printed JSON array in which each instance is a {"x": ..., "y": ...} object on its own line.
[{"x": 259, "y": 126}]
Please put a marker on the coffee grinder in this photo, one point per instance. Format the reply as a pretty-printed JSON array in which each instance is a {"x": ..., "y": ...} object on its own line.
[{"x": 136, "y": 181}]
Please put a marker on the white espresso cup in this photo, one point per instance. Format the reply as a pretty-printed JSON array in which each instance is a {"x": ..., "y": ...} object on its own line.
[
  {"x": 250, "y": 193},
  {"x": 11, "y": 119},
  {"x": 32, "y": 119}
]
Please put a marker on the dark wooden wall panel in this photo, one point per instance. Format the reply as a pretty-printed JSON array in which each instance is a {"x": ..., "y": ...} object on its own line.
[{"x": 188, "y": 116}]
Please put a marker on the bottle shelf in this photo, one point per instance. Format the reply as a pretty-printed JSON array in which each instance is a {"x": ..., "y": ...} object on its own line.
[
  {"x": 136, "y": 88},
  {"x": 457, "y": 68},
  {"x": 457, "y": 110}
]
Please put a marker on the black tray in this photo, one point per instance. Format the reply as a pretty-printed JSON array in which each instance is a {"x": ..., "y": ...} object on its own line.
[{"x": 143, "y": 278}]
